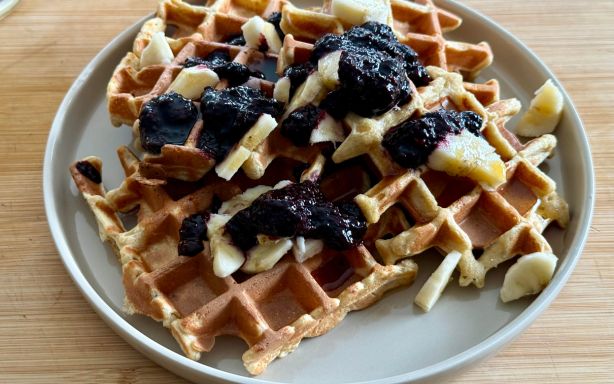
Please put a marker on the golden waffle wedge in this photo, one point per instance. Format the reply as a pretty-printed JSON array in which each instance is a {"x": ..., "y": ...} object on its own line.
[
  {"x": 455, "y": 213},
  {"x": 271, "y": 311},
  {"x": 191, "y": 30},
  {"x": 419, "y": 24}
]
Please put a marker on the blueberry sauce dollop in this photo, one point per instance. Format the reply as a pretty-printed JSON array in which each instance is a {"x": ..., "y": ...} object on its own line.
[
  {"x": 275, "y": 19},
  {"x": 229, "y": 113},
  {"x": 374, "y": 70},
  {"x": 298, "y": 125},
  {"x": 299, "y": 209},
  {"x": 88, "y": 170},
  {"x": 166, "y": 119},
  {"x": 411, "y": 142},
  {"x": 220, "y": 62},
  {"x": 191, "y": 234}
]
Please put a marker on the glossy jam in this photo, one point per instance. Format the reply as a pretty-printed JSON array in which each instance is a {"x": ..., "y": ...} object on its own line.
[
  {"x": 299, "y": 210},
  {"x": 228, "y": 114},
  {"x": 374, "y": 70},
  {"x": 88, "y": 170},
  {"x": 191, "y": 235},
  {"x": 220, "y": 62},
  {"x": 166, "y": 119},
  {"x": 411, "y": 142},
  {"x": 298, "y": 125}
]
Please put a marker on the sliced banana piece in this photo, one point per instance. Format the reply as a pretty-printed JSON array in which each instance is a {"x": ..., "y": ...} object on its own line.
[
  {"x": 281, "y": 92},
  {"x": 328, "y": 66},
  {"x": 260, "y": 34},
  {"x": 265, "y": 255},
  {"x": 157, "y": 51},
  {"x": 528, "y": 276},
  {"x": 544, "y": 112},
  {"x": 191, "y": 82},
  {"x": 243, "y": 149},
  {"x": 356, "y": 12},
  {"x": 468, "y": 155},
  {"x": 227, "y": 258},
  {"x": 328, "y": 129},
  {"x": 304, "y": 249},
  {"x": 437, "y": 282}
]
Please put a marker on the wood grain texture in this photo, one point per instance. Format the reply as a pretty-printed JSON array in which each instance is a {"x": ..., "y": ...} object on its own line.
[{"x": 49, "y": 334}]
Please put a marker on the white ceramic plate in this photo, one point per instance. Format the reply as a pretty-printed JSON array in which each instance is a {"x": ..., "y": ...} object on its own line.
[{"x": 390, "y": 342}]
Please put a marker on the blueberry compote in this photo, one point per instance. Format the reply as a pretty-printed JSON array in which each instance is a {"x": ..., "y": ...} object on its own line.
[
  {"x": 275, "y": 19},
  {"x": 229, "y": 113},
  {"x": 299, "y": 210},
  {"x": 192, "y": 233},
  {"x": 88, "y": 170},
  {"x": 220, "y": 62},
  {"x": 374, "y": 70},
  {"x": 298, "y": 125},
  {"x": 166, "y": 119},
  {"x": 411, "y": 142},
  {"x": 236, "y": 40}
]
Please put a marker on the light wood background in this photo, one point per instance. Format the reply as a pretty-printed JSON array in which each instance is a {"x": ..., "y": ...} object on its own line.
[{"x": 49, "y": 334}]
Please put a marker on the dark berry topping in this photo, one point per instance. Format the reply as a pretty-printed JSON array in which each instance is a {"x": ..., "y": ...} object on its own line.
[
  {"x": 411, "y": 142},
  {"x": 220, "y": 62},
  {"x": 236, "y": 40},
  {"x": 374, "y": 36},
  {"x": 88, "y": 170},
  {"x": 374, "y": 70},
  {"x": 298, "y": 74},
  {"x": 229, "y": 113},
  {"x": 191, "y": 235},
  {"x": 166, "y": 119},
  {"x": 299, "y": 210},
  {"x": 299, "y": 124},
  {"x": 374, "y": 82},
  {"x": 275, "y": 19},
  {"x": 337, "y": 103}
]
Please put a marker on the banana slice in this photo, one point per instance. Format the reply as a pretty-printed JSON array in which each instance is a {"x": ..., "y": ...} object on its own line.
[
  {"x": 260, "y": 34},
  {"x": 190, "y": 82},
  {"x": 227, "y": 258},
  {"x": 356, "y": 12},
  {"x": 468, "y": 155},
  {"x": 242, "y": 150},
  {"x": 437, "y": 282},
  {"x": 281, "y": 92},
  {"x": 544, "y": 112},
  {"x": 528, "y": 276},
  {"x": 265, "y": 255},
  {"x": 304, "y": 249},
  {"x": 157, "y": 51},
  {"x": 328, "y": 66},
  {"x": 328, "y": 129}
]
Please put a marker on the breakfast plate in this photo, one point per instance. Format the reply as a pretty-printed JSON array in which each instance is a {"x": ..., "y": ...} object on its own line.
[{"x": 390, "y": 342}]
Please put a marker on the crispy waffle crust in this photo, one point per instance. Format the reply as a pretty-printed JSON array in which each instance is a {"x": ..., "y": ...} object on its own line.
[
  {"x": 407, "y": 211},
  {"x": 271, "y": 311}
]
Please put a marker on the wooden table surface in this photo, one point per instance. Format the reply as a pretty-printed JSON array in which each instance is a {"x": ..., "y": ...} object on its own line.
[{"x": 48, "y": 332}]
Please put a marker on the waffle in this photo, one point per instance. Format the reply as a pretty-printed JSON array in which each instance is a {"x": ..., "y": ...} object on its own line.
[
  {"x": 407, "y": 211},
  {"x": 271, "y": 311}
]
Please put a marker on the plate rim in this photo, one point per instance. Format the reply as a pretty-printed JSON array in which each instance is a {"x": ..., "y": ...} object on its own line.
[{"x": 178, "y": 364}]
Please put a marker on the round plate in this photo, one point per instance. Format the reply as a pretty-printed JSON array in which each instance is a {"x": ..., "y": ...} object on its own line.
[{"x": 390, "y": 342}]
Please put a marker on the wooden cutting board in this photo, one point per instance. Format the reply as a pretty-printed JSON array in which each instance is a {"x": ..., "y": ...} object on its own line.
[{"x": 49, "y": 334}]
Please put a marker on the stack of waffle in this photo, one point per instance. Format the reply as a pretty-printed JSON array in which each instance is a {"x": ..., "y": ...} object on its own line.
[{"x": 407, "y": 211}]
